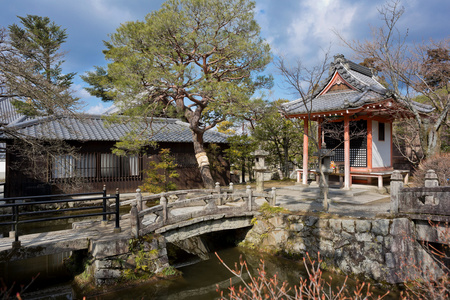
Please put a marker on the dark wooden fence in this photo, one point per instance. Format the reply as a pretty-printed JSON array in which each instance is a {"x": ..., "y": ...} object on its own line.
[{"x": 32, "y": 209}]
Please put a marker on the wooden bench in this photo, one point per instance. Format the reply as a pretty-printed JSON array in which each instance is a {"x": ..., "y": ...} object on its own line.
[{"x": 380, "y": 175}]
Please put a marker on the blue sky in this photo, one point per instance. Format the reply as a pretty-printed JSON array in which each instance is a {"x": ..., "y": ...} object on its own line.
[{"x": 297, "y": 29}]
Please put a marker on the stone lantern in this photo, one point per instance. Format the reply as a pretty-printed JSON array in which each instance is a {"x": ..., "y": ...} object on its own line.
[
  {"x": 260, "y": 168},
  {"x": 325, "y": 154}
]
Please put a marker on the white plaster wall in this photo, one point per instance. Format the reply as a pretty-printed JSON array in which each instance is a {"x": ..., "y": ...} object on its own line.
[
  {"x": 2, "y": 170},
  {"x": 381, "y": 150}
]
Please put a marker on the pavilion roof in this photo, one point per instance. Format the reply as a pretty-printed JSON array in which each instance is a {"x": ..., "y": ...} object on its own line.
[{"x": 349, "y": 86}]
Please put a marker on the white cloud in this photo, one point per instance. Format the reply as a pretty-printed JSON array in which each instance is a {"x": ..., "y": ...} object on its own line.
[
  {"x": 300, "y": 29},
  {"x": 80, "y": 92},
  {"x": 97, "y": 109},
  {"x": 109, "y": 14},
  {"x": 315, "y": 24}
]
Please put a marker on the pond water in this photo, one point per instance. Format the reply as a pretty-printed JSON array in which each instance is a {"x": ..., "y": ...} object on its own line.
[{"x": 199, "y": 279}]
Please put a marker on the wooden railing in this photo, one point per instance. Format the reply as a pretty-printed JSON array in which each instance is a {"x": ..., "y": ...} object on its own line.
[
  {"x": 224, "y": 201},
  {"x": 19, "y": 210}
]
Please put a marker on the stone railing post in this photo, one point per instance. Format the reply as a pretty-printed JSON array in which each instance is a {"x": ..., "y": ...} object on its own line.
[
  {"x": 210, "y": 205},
  {"x": 163, "y": 202},
  {"x": 134, "y": 220},
  {"x": 250, "y": 198},
  {"x": 231, "y": 188},
  {"x": 396, "y": 185},
  {"x": 274, "y": 197},
  {"x": 431, "y": 179},
  {"x": 220, "y": 200},
  {"x": 140, "y": 204}
]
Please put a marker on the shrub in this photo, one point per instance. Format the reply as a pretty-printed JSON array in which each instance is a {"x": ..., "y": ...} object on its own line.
[
  {"x": 262, "y": 286},
  {"x": 440, "y": 164},
  {"x": 158, "y": 177}
]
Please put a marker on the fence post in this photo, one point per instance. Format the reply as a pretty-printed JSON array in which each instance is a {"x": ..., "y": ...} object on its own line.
[
  {"x": 274, "y": 196},
  {"x": 431, "y": 179},
  {"x": 16, "y": 243},
  {"x": 140, "y": 204},
  {"x": 250, "y": 200},
  {"x": 117, "y": 228},
  {"x": 134, "y": 220},
  {"x": 12, "y": 232},
  {"x": 163, "y": 202},
  {"x": 396, "y": 185},
  {"x": 231, "y": 188},
  {"x": 104, "y": 220}
]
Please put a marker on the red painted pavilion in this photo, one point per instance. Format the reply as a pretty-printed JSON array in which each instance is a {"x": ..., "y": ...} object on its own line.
[{"x": 352, "y": 98}]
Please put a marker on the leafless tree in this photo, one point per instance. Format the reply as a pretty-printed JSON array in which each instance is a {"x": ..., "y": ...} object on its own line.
[
  {"x": 303, "y": 82},
  {"x": 419, "y": 72}
]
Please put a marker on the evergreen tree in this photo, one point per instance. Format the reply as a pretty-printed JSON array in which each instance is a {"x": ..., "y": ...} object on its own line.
[
  {"x": 30, "y": 67},
  {"x": 199, "y": 56},
  {"x": 157, "y": 178}
]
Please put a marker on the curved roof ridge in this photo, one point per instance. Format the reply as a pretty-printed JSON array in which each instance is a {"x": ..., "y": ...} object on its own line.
[{"x": 360, "y": 81}]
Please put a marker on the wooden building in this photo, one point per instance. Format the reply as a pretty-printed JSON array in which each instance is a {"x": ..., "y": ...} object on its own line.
[
  {"x": 94, "y": 164},
  {"x": 352, "y": 102}
]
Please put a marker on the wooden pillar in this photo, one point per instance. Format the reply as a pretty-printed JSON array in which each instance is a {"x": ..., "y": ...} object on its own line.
[
  {"x": 346, "y": 152},
  {"x": 369, "y": 144},
  {"x": 391, "y": 141},
  {"x": 319, "y": 132},
  {"x": 305, "y": 152}
]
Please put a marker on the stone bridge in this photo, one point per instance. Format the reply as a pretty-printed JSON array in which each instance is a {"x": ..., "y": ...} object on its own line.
[{"x": 180, "y": 216}]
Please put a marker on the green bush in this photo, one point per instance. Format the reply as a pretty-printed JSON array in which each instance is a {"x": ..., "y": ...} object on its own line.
[{"x": 158, "y": 177}]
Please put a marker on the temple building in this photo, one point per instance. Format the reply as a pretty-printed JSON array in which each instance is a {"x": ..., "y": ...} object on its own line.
[{"x": 355, "y": 113}]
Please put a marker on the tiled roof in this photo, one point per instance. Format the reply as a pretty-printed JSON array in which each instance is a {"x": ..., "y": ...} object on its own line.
[
  {"x": 97, "y": 128},
  {"x": 368, "y": 90},
  {"x": 8, "y": 113}
]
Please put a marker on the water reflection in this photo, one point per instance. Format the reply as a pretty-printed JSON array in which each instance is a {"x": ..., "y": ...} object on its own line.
[
  {"x": 200, "y": 280},
  {"x": 49, "y": 272}
]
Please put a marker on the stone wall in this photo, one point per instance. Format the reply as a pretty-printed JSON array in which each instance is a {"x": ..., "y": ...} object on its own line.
[
  {"x": 378, "y": 249},
  {"x": 127, "y": 258}
]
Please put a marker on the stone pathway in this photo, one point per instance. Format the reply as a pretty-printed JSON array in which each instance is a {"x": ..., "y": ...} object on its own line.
[{"x": 361, "y": 201}]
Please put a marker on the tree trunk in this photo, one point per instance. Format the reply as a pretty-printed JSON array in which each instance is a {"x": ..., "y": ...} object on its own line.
[
  {"x": 430, "y": 139},
  {"x": 286, "y": 158},
  {"x": 202, "y": 160},
  {"x": 323, "y": 186},
  {"x": 243, "y": 170}
]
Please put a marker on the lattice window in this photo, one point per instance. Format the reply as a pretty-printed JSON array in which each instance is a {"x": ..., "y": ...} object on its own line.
[
  {"x": 86, "y": 165},
  {"x": 96, "y": 165},
  {"x": 63, "y": 166},
  {"x": 358, "y": 144},
  {"x": 115, "y": 166}
]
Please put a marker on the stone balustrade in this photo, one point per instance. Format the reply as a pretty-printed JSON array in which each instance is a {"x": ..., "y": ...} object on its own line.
[
  {"x": 218, "y": 201},
  {"x": 430, "y": 202}
]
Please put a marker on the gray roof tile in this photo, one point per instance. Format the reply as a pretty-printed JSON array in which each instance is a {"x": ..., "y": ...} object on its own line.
[
  {"x": 8, "y": 113},
  {"x": 97, "y": 128},
  {"x": 368, "y": 90}
]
